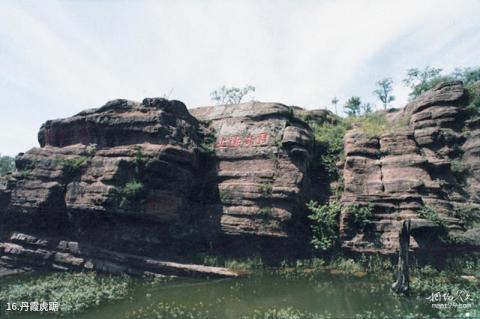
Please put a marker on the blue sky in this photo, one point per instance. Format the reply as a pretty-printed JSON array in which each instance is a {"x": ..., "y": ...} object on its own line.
[{"x": 60, "y": 57}]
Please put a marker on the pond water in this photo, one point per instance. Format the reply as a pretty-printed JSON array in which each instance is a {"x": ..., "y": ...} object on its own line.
[{"x": 340, "y": 295}]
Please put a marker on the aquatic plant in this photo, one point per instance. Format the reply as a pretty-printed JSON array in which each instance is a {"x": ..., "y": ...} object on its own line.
[
  {"x": 162, "y": 310},
  {"x": 74, "y": 292},
  {"x": 292, "y": 313}
]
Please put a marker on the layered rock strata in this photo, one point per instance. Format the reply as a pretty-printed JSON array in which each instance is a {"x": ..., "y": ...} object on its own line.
[
  {"x": 409, "y": 168},
  {"x": 149, "y": 179}
]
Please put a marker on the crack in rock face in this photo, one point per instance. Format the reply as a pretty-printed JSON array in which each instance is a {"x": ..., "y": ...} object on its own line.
[{"x": 415, "y": 171}]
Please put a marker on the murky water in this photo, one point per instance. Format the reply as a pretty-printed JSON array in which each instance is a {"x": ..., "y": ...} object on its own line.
[{"x": 342, "y": 296}]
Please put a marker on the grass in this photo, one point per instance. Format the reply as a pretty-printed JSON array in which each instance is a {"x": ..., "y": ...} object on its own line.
[
  {"x": 239, "y": 264},
  {"x": 365, "y": 263},
  {"x": 74, "y": 292},
  {"x": 72, "y": 166},
  {"x": 374, "y": 125}
]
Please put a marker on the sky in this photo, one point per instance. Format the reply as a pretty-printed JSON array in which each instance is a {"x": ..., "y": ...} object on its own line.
[{"x": 60, "y": 57}]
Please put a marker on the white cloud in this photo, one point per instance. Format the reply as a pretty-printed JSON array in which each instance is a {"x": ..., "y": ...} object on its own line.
[{"x": 60, "y": 57}]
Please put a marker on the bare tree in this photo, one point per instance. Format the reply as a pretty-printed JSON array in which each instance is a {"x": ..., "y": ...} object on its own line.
[
  {"x": 230, "y": 95},
  {"x": 335, "y": 102},
  {"x": 383, "y": 91}
]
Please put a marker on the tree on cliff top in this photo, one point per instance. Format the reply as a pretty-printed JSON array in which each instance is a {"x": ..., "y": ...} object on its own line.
[
  {"x": 354, "y": 107},
  {"x": 469, "y": 76},
  {"x": 335, "y": 102},
  {"x": 384, "y": 88},
  {"x": 422, "y": 80},
  {"x": 230, "y": 95},
  {"x": 7, "y": 164}
]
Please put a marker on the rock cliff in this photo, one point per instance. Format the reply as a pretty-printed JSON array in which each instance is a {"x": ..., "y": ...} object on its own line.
[
  {"x": 424, "y": 162},
  {"x": 126, "y": 186},
  {"x": 152, "y": 180}
]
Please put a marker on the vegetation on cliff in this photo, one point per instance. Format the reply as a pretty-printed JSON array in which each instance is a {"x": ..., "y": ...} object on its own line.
[
  {"x": 7, "y": 164},
  {"x": 329, "y": 154},
  {"x": 422, "y": 80},
  {"x": 324, "y": 224},
  {"x": 324, "y": 217}
]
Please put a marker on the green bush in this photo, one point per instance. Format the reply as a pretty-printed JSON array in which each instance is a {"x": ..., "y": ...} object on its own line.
[
  {"x": 429, "y": 213},
  {"x": 132, "y": 190},
  {"x": 330, "y": 136},
  {"x": 72, "y": 166},
  {"x": 468, "y": 214},
  {"x": 73, "y": 292},
  {"x": 329, "y": 146},
  {"x": 362, "y": 215},
  {"x": 324, "y": 224}
]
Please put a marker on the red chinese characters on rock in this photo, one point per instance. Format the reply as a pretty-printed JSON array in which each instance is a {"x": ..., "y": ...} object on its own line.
[{"x": 238, "y": 141}]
